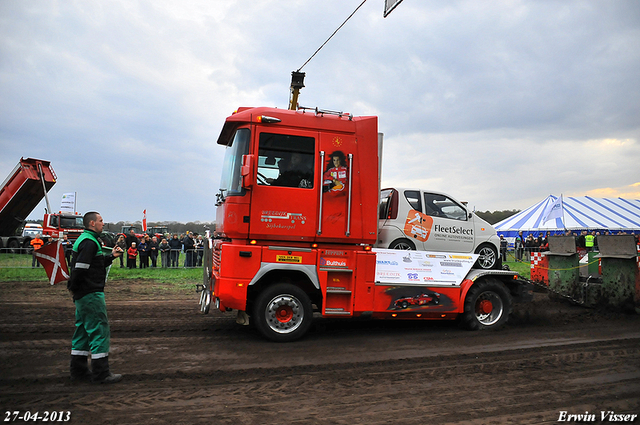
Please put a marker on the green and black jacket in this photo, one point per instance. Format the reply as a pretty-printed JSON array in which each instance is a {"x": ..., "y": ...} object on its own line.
[{"x": 88, "y": 265}]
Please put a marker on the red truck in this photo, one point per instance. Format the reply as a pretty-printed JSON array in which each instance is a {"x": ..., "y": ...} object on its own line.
[
  {"x": 297, "y": 218},
  {"x": 20, "y": 193}
]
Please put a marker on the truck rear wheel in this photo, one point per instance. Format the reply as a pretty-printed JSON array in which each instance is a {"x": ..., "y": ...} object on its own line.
[
  {"x": 487, "y": 305},
  {"x": 283, "y": 313}
]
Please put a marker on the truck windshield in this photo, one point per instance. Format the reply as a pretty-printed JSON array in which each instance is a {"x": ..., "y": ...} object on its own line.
[
  {"x": 231, "y": 180},
  {"x": 71, "y": 223}
]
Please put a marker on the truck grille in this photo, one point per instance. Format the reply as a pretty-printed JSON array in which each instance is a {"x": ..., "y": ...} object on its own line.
[{"x": 217, "y": 251}]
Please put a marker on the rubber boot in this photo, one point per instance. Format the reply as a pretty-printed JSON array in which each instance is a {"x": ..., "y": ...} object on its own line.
[
  {"x": 101, "y": 372},
  {"x": 79, "y": 368}
]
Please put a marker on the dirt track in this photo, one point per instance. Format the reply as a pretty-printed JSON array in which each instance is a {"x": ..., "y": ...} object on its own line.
[{"x": 182, "y": 367}]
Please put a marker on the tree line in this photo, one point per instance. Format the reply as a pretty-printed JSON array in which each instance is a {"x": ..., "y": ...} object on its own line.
[
  {"x": 492, "y": 217},
  {"x": 172, "y": 226}
]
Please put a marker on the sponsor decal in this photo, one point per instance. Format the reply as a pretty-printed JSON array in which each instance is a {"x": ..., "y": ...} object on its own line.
[
  {"x": 447, "y": 272},
  {"x": 418, "y": 225},
  {"x": 413, "y": 277},
  {"x": 450, "y": 264},
  {"x": 457, "y": 230},
  {"x": 436, "y": 256},
  {"x": 333, "y": 262},
  {"x": 293, "y": 218},
  {"x": 387, "y": 263},
  {"x": 461, "y": 257},
  {"x": 288, "y": 259},
  {"x": 390, "y": 275},
  {"x": 335, "y": 253}
]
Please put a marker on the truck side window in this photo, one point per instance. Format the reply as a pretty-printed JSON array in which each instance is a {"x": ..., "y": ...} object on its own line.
[
  {"x": 413, "y": 197},
  {"x": 286, "y": 161},
  {"x": 442, "y": 206}
]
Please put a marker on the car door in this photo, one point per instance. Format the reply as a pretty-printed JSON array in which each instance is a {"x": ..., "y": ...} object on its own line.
[{"x": 452, "y": 229}]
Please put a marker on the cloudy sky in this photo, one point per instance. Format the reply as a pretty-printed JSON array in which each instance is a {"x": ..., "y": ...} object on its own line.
[{"x": 498, "y": 103}]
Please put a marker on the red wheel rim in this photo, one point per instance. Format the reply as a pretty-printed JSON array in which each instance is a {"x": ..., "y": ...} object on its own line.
[
  {"x": 485, "y": 307},
  {"x": 284, "y": 314}
]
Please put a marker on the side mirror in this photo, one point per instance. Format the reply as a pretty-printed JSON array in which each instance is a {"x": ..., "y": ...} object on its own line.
[{"x": 247, "y": 170}]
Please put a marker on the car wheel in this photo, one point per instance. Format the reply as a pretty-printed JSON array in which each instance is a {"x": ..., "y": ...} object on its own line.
[
  {"x": 404, "y": 244},
  {"x": 283, "y": 312},
  {"x": 487, "y": 305},
  {"x": 488, "y": 258}
]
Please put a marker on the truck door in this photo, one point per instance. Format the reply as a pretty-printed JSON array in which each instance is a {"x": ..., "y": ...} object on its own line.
[
  {"x": 284, "y": 199},
  {"x": 452, "y": 230},
  {"x": 340, "y": 220}
]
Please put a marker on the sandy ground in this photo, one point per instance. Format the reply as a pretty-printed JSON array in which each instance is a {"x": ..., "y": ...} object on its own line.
[{"x": 181, "y": 367}]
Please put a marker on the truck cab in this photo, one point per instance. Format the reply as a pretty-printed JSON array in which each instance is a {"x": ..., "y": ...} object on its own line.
[
  {"x": 58, "y": 224},
  {"x": 298, "y": 176}
]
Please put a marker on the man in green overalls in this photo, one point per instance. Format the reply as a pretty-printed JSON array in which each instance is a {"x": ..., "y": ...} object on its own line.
[{"x": 88, "y": 276}]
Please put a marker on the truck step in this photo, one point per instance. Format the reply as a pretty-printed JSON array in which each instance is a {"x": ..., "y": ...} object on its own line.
[
  {"x": 337, "y": 290},
  {"x": 337, "y": 311}
]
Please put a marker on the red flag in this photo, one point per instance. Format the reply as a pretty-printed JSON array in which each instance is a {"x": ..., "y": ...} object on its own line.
[
  {"x": 144, "y": 221},
  {"x": 51, "y": 256}
]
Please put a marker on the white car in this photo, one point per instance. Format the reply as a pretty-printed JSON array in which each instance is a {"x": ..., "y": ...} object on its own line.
[{"x": 434, "y": 221}]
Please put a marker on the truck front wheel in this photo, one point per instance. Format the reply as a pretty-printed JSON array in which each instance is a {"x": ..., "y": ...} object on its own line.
[
  {"x": 283, "y": 313},
  {"x": 487, "y": 305}
]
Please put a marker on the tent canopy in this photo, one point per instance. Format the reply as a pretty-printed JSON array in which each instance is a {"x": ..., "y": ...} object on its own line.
[{"x": 580, "y": 213}]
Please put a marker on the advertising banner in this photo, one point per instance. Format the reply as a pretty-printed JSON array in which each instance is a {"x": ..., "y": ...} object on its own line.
[
  {"x": 68, "y": 203},
  {"x": 398, "y": 267}
]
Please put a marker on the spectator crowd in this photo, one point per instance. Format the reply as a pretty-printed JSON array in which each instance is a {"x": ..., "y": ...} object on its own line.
[
  {"x": 146, "y": 251},
  {"x": 523, "y": 246}
]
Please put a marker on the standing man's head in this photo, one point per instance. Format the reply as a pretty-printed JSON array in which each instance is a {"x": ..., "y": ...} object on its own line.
[{"x": 93, "y": 221}]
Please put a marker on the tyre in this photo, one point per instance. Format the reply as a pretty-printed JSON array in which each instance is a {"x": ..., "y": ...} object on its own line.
[
  {"x": 488, "y": 257},
  {"x": 282, "y": 312},
  {"x": 207, "y": 263},
  {"x": 487, "y": 305},
  {"x": 404, "y": 244},
  {"x": 14, "y": 246}
]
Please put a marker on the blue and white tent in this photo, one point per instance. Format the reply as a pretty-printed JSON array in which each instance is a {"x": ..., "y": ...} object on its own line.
[{"x": 579, "y": 213}]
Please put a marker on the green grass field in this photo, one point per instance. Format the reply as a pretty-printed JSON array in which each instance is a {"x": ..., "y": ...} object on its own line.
[
  {"x": 524, "y": 269},
  {"x": 17, "y": 268}
]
